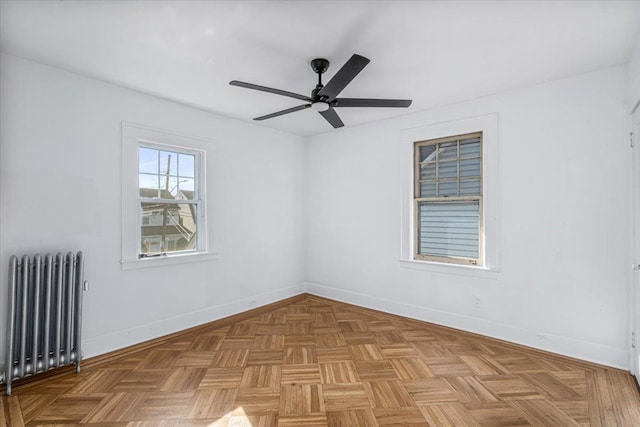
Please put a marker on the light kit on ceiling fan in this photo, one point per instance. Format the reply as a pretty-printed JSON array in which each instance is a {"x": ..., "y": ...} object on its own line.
[
  {"x": 323, "y": 98},
  {"x": 320, "y": 106}
]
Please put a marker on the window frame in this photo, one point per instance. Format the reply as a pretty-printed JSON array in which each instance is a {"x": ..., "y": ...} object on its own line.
[
  {"x": 132, "y": 134},
  {"x": 439, "y": 126},
  {"x": 417, "y": 200},
  {"x": 197, "y": 196}
]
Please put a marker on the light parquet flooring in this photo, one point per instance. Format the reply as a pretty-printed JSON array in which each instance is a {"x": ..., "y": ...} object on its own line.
[{"x": 316, "y": 362}]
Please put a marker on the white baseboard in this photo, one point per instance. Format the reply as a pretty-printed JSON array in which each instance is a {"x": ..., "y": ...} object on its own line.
[
  {"x": 588, "y": 351},
  {"x": 95, "y": 346}
]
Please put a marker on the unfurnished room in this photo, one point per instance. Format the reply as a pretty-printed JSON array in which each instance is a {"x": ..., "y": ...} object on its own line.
[{"x": 319, "y": 213}]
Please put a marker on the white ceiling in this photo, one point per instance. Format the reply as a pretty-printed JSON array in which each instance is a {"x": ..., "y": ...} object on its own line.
[{"x": 435, "y": 53}]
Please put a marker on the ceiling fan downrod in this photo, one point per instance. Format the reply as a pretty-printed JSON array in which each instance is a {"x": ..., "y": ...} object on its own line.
[{"x": 319, "y": 66}]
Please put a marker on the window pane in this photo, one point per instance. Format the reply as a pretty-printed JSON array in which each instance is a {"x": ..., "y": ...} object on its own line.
[
  {"x": 470, "y": 167},
  {"x": 428, "y": 170},
  {"x": 186, "y": 188},
  {"x": 448, "y": 169},
  {"x": 148, "y": 185},
  {"x": 168, "y": 227},
  {"x": 147, "y": 160},
  {"x": 449, "y": 229},
  {"x": 448, "y": 150},
  {"x": 427, "y": 189},
  {"x": 427, "y": 153},
  {"x": 470, "y": 148},
  {"x": 448, "y": 188},
  {"x": 186, "y": 164},
  {"x": 168, "y": 160},
  {"x": 470, "y": 187},
  {"x": 169, "y": 186}
]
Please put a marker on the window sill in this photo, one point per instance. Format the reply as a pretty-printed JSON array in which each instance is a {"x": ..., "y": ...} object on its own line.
[
  {"x": 131, "y": 264},
  {"x": 450, "y": 268}
]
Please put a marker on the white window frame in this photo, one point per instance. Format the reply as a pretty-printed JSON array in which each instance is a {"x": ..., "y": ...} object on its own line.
[
  {"x": 134, "y": 136},
  {"x": 490, "y": 240}
]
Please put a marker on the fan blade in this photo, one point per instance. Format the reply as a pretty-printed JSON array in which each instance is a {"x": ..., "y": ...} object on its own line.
[
  {"x": 287, "y": 111},
  {"x": 332, "y": 117},
  {"x": 269, "y": 89},
  {"x": 343, "y": 77},
  {"x": 367, "y": 102}
]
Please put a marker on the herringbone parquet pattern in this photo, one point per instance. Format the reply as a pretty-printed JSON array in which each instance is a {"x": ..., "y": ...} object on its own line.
[{"x": 317, "y": 362}]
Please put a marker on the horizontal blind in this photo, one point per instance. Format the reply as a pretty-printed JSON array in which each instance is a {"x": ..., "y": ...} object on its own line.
[{"x": 449, "y": 229}]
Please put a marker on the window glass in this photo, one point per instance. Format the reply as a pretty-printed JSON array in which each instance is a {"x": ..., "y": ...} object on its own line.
[
  {"x": 169, "y": 223},
  {"x": 168, "y": 163},
  {"x": 186, "y": 164},
  {"x": 164, "y": 223},
  {"x": 148, "y": 160},
  {"x": 449, "y": 229},
  {"x": 448, "y": 199}
]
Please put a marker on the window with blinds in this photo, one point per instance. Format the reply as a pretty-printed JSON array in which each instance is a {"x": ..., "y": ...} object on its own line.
[{"x": 448, "y": 199}]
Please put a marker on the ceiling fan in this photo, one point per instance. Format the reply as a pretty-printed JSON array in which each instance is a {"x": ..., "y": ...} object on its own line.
[{"x": 323, "y": 98}]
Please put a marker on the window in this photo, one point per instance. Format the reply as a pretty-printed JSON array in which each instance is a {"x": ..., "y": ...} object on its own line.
[
  {"x": 169, "y": 199},
  {"x": 164, "y": 211},
  {"x": 448, "y": 199},
  {"x": 450, "y": 185}
]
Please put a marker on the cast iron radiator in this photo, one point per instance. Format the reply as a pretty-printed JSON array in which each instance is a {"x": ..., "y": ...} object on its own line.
[{"x": 45, "y": 314}]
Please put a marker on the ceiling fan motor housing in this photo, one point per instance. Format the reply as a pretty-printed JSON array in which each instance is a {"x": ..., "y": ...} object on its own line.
[{"x": 314, "y": 94}]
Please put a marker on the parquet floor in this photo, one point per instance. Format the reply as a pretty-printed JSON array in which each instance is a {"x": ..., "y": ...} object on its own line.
[{"x": 316, "y": 362}]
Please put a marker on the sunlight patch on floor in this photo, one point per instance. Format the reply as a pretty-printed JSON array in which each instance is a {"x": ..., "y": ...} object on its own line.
[{"x": 235, "y": 418}]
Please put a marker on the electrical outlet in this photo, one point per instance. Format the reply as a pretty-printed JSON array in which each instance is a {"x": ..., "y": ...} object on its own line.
[{"x": 475, "y": 301}]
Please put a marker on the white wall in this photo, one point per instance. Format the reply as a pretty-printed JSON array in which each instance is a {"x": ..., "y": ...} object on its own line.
[
  {"x": 60, "y": 189},
  {"x": 633, "y": 76},
  {"x": 563, "y": 213}
]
